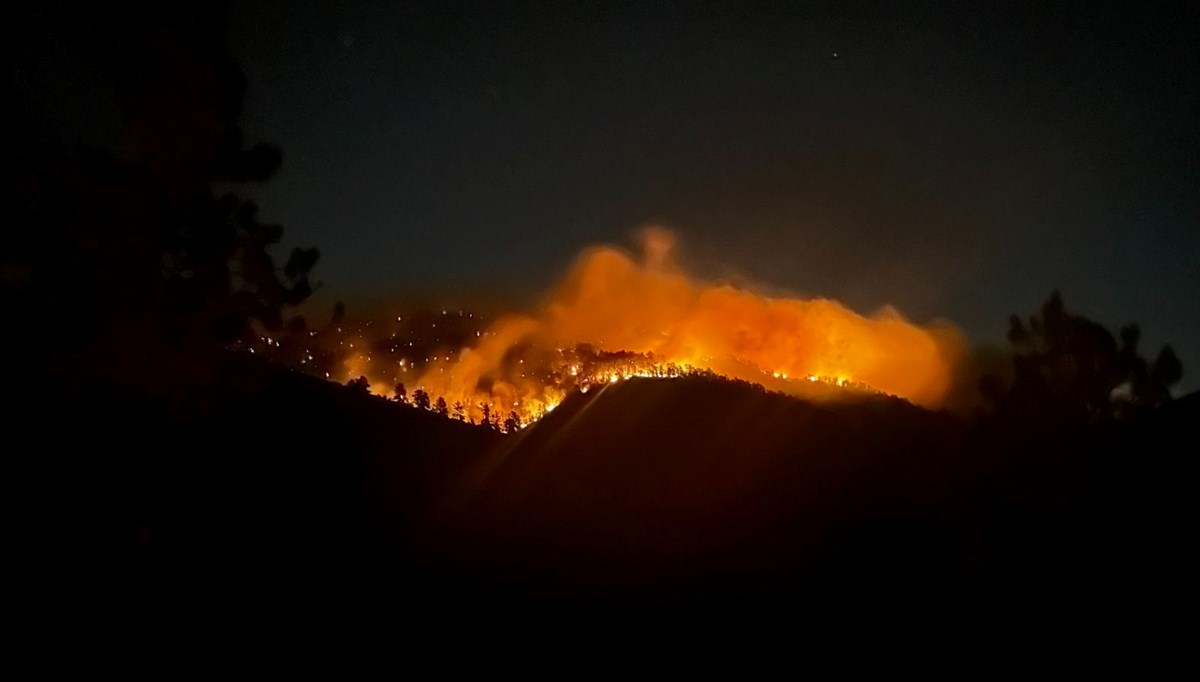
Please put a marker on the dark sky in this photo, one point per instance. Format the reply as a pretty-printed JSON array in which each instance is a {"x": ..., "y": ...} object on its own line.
[{"x": 957, "y": 161}]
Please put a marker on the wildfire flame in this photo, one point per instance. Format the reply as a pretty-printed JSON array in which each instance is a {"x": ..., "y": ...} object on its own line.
[{"x": 615, "y": 316}]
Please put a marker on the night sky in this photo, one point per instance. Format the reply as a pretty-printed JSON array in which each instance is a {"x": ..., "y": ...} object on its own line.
[{"x": 957, "y": 162}]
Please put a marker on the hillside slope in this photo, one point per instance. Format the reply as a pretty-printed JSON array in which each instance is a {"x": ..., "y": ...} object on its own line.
[
  {"x": 655, "y": 489},
  {"x": 257, "y": 490}
]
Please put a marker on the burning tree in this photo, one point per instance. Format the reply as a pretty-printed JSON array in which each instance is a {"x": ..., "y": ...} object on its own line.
[{"x": 439, "y": 407}]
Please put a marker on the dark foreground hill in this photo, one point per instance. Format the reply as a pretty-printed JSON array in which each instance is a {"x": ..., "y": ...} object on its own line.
[
  {"x": 259, "y": 491},
  {"x": 700, "y": 489},
  {"x": 689, "y": 498}
]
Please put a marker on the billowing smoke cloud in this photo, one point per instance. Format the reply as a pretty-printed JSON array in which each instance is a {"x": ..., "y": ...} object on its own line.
[{"x": 614, "y": 302}]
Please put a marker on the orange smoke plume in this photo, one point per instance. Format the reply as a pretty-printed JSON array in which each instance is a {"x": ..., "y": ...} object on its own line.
[{"x": 649, "y": 318}]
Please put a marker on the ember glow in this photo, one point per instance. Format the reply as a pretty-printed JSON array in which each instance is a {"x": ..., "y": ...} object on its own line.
[{"x": 616, "y": 316}]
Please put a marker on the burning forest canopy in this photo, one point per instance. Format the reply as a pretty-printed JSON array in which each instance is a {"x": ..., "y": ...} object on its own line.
[{"x": 616, "y": 315}]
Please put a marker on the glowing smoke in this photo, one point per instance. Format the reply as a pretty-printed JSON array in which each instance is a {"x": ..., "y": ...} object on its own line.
[{"x": 614, "y": 302}]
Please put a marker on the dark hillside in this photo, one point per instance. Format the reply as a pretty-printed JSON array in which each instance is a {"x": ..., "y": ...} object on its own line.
[
  {"x": 258, "y": 490},
  {"x": 655, "y": 489},
  {"x": 253, "y": 483}
]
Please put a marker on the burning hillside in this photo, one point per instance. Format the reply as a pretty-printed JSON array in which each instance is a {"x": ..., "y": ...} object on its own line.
[{"x": 615, "y": 316}]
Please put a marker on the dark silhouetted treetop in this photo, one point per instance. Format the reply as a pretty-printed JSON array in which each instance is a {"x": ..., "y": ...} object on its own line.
[
  {"x": 148, "y": 247},
  {"x": 1066, "y": 367},
  {"x": 513, "y": 423},
  {"x": 421, "y": 399}
]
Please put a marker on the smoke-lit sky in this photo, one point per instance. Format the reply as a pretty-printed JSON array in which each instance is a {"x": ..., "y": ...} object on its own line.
[{"x": 956, "y": 161}]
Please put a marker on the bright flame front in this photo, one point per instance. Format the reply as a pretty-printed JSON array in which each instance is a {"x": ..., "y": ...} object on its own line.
[{"x": 615, "y": 317}]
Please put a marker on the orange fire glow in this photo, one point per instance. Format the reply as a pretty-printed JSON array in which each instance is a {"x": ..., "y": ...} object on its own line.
[{"x": 615, "y": 316}]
